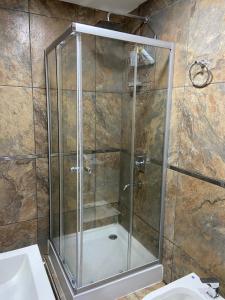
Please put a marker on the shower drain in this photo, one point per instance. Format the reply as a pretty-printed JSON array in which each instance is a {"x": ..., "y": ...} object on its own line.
[{"x": 112, "y": 236}]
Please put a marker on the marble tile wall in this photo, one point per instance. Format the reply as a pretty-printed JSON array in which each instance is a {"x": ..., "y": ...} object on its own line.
[
  {"x": 29, "y": 26},
  {"x": 194, "y": 220}
]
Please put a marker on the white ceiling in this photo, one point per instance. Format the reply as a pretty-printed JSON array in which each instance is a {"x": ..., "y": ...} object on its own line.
[{"x": 116, "y": 6}]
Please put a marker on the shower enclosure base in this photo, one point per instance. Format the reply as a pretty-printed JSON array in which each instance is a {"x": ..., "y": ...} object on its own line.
[
  {"x": 103, "y": 258},
  {"x": 106, "y": 253}
]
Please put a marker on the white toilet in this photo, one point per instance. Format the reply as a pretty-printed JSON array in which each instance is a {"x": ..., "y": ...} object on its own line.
[{"x": 189, "y": 287}]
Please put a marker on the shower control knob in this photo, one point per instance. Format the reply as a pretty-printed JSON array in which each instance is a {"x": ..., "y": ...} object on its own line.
[{"x": 88, "y": 169}]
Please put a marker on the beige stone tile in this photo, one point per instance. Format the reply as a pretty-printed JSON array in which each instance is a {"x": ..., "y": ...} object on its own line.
[
  {"x": 18, "y": 191},
  {"x": 15, "y": 4},
  {"x": 108, "y": 193},
  {"x": 161, "y": 68},
  {"x": 152, "y": 7},
  {"x": 110, "y": 65},
  {"x": 69, "y": 121},
  {"x": 89, "y": 62},
  {"x": 16, "y": 121},
  {"x": 44, "y": 31},
  {"x": 54, "y": 121},
  {"x": 175, "y": 126},
  {"x": 183, "y": 265},
  {"x": 167, "y": 260},
  {"x": 40, "y": 121},
  {"x": 53, "y": 8},
  {"x": 172, "y": 24},
  {"x": 211, "y": 48},
  {"x": 70, "y": 222},
  {"x": 15, "y": 48},
  {"x": 18, "y": 235},
  {"x": 69, "y": 184},
  {"x": 89, "y": 178},
  {"x": 171, "y": 2},
  {"x": 86, "y": 15},
  {"x": 150, "y": 122},
  {"x": 55, "y": 197},
  {"x": 126, "y": 121},
  {"x": 202, "y": 131},
  {"x": 89, "y": 120},
  {"x": 200, "y": 223},
  {"x": 69, "y": 67},
  {"x": 107, "y": 169},
  {"x": 146, "y": 235},
  {"x": 147, "y": 203},
  {"x": 106, "y": 221},
  {"x": 170, "y": 204},
  {"x": 43, "y": 234},
  {"x": 42, "y": 187},
  {"x": 108, "y": 120}
]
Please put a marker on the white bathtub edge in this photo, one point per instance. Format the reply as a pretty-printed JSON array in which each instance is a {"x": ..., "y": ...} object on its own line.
[{"x": 40, "y": 278}]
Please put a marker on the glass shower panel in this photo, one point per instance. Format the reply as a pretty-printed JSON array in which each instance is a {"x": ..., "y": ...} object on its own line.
[
  {"x": 105, "y": 67},
  {"x": 54, "y": 146},
  {"x": 151, "y": 102},
  {"x": 68, "y": 162}
]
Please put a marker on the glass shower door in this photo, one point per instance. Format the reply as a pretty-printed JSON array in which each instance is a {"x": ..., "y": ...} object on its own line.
[
  {"x": 124, "y": 101},
  {"x": 105, "y": 242},
  {"x": 64, "y": 156}
]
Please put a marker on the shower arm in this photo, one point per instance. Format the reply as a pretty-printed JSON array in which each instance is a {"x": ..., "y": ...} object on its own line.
[{"x": 144, "y": 19}]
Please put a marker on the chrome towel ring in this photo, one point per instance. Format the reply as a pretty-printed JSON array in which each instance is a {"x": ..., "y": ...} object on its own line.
[{"x": 202, "y": 70}]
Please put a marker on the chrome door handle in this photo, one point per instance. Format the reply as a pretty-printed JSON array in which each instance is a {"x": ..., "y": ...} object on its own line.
[{"x": 77, "y": 169}]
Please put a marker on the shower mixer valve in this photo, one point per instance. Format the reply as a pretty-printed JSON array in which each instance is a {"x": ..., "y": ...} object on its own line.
[{"x": 140, "y": 162}]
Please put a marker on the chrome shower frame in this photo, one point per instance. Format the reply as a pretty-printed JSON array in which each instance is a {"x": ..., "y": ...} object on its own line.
[{"x": 127, "y": 278}]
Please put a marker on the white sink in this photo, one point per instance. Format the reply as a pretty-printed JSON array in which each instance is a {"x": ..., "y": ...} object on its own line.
[
  {"x": 23, "y": 276},
  {"x": 189, "y": 287},
  {"x": 177, "y": 293}
]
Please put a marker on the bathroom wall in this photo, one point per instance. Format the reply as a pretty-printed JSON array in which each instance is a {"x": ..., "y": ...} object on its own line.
[
  {"x": 27, "y": 28},
  {"x": 194, "y": 236}
]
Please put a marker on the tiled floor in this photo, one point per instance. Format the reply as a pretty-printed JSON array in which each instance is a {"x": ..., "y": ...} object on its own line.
[{"x": 138, "y": 295}]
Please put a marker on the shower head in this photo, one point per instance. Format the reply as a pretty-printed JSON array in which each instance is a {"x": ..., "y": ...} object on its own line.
[
  {"x": 107, "y": 24},
  {"x": 146, "y": 56}
]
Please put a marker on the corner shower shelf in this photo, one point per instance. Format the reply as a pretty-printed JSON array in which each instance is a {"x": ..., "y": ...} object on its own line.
[{"x": 101, "y": 212}]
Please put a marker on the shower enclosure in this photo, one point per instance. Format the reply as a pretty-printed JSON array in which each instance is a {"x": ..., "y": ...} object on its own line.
[{"x": 109, "y": 96}]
